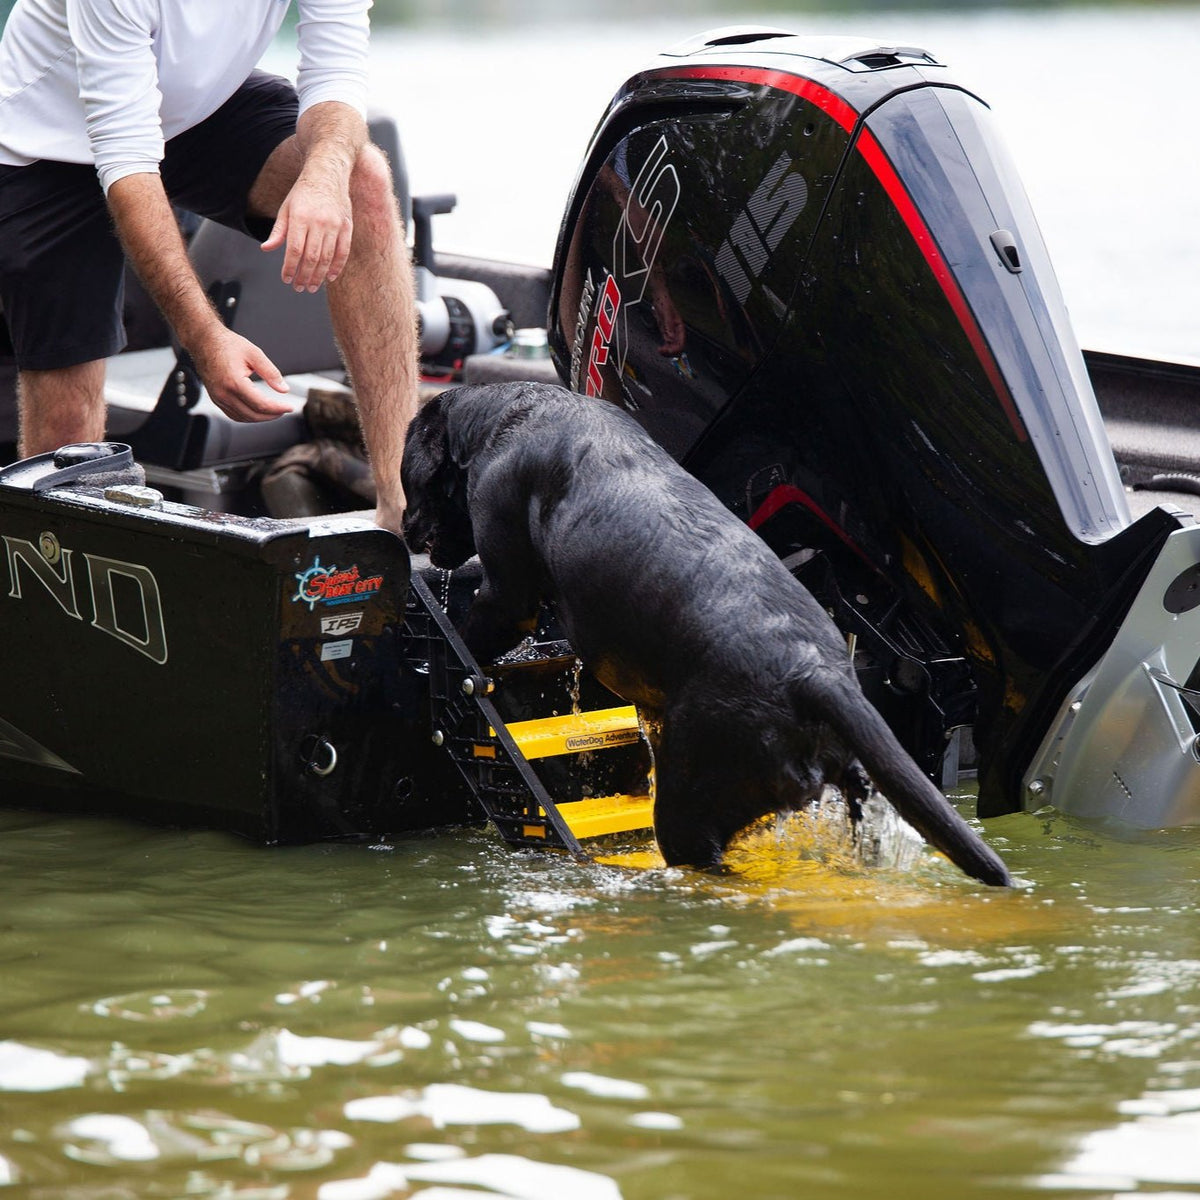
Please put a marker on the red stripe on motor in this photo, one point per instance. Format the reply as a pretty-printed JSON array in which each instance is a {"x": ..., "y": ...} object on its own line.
[
  {"x": 873, "y": 154},
  {"x": 787, "y": 493},
  {"x": 883, "y": 170},
  {"x": 822, "y": 97}
]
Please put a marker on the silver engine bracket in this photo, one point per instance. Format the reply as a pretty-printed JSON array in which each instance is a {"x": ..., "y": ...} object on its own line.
[{"x": 1126, "y": 742}]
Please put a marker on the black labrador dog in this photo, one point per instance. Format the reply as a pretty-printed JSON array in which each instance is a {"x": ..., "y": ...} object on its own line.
[{"x": 671, "y": 602}]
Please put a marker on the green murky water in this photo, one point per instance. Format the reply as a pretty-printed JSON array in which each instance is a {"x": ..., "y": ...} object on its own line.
[{"x": 185, "y": 1015}]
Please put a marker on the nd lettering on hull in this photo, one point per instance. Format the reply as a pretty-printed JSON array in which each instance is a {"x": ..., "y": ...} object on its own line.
[{"x": 123, "y": 597}]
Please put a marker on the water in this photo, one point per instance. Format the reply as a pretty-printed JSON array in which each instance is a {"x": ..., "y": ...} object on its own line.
[{"x": 185, "y": 1015}]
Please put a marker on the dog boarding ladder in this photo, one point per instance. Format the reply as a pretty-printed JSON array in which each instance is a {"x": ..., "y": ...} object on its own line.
[{"x": 493, "y": 758}]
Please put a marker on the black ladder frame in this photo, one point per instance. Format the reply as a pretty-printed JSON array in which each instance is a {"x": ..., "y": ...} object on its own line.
[{"x": 464, "y": 722}]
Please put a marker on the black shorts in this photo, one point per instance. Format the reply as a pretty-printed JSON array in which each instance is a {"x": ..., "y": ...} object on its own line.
[{"x": 61, "y": 265}]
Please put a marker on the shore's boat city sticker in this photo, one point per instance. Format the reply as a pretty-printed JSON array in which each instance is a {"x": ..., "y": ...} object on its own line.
[{"x": 331, "y": 585}]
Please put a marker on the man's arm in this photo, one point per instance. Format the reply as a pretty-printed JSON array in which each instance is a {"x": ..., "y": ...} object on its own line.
[
  {"x": 224, "y": 360},
  {"x": 315, "y": 220}
]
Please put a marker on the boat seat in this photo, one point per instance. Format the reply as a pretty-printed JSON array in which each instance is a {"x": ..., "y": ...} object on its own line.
[{"x": 132, "y": 387}]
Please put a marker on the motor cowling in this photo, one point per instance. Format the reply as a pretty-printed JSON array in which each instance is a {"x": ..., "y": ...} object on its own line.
[{"x": 807, "y": 268}]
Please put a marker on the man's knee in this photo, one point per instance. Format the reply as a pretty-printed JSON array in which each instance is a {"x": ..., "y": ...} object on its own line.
[
  {"x": 75, "y": 392},
  {"x": 372, "y": 192},
  {"x": 61, "y": 405}
]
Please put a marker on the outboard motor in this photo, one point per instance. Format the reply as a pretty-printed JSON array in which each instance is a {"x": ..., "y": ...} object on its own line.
[{"x": 807, "y": 268}]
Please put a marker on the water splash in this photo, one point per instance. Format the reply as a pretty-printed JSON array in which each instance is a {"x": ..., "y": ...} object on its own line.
[{"x": 573, "y": 689}]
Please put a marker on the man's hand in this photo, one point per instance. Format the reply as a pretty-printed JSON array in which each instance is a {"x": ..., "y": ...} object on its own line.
[
  {"x": 316, "y": 223},
  {"x": 225, "y": 362}
]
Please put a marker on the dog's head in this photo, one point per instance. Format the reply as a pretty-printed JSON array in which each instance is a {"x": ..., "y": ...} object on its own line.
[
  {"x": 438, "y": 521},
  {"x": 445, "y": 440}
]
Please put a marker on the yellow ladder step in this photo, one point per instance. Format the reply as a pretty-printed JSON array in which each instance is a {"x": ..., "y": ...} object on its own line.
[
  {"x": 577, "y": 732},
  {"x": 608, "y": 814}
]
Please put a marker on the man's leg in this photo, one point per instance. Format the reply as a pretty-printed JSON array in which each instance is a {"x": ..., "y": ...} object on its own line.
[
  {"x": 61, "y": 271},
  {"x": 62, "y": 405},
  {"x": 372, "y": 308}
]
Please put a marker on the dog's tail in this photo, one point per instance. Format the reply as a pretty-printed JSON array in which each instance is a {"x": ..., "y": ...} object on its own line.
[{"x": 909, "y": 790}]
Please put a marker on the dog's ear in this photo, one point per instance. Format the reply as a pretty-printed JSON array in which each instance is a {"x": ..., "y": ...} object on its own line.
[
  {"x": 438, "y": 435},
  {"x": 425, "y": 450},
  {"x": 448, "y": 473},
  {"x": 458, "y": 449},
  {"x": 471, "y": 414}
]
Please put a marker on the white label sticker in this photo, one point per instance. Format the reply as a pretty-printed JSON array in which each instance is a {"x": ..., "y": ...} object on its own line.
[{"x": 337, "y": 649}]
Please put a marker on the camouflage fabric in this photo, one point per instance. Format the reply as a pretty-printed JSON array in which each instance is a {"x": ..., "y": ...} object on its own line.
[
  {"x": 328, "y": 474},
  {"x": 331, "y": 413}
]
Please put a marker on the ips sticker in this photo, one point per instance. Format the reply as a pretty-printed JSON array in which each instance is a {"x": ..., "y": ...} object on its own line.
[{"x": 341, "y": 624}]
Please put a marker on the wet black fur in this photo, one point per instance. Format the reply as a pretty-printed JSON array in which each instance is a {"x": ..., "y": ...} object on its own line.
[{"x": 671, "y": 601}]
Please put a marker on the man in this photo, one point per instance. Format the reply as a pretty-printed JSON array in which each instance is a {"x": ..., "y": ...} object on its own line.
[{"x": 112, "y": 110}]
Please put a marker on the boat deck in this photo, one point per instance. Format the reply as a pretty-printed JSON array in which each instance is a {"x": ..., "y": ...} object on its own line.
[{"x": 1151, "y": 413}]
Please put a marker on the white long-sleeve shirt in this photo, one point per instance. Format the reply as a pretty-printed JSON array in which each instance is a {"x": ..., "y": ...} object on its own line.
[{"x": 109, "y": 81}]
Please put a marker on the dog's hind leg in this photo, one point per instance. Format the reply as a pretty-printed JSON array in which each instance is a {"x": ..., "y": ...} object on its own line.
[
  {"x": 683, "y": 839},
  {"x": 707, "y": 788}
]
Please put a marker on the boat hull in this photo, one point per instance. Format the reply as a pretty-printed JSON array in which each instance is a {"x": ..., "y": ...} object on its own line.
[{"x": 178, "y": 665}]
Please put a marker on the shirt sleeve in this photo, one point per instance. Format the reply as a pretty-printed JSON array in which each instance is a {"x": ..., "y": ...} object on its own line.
[
  {"x": 334, "y": 36},
  {"x": 118, "y": 84}
]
